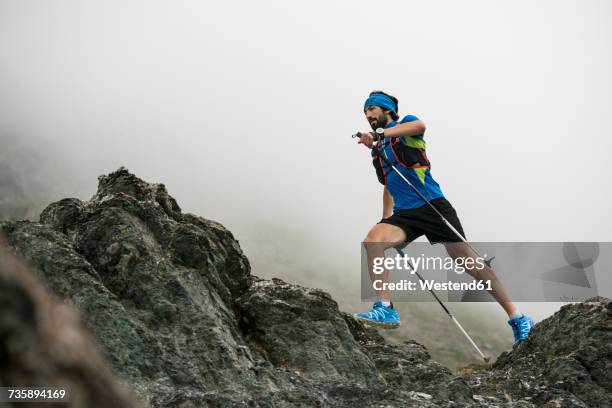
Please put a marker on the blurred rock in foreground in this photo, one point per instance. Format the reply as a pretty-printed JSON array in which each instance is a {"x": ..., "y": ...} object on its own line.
[{"x": 42, "y": 343}]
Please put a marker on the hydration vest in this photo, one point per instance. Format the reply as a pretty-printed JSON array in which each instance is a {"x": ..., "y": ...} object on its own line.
[{"x": 407, "y": 151}]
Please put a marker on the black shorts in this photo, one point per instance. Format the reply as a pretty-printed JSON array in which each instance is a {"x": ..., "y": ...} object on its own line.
[{"x": 424, "y": 220}]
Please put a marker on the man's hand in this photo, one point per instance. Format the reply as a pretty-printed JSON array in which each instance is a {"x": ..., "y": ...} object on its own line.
[{"x": 367, "y": 138}]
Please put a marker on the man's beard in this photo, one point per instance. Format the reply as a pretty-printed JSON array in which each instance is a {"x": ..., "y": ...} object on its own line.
[{"x": 380, "y": 122}]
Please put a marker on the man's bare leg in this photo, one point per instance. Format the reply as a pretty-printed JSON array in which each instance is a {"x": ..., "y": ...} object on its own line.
[
  {"x": 379, "y": 238},
  {"x": 463, "y": 250}
]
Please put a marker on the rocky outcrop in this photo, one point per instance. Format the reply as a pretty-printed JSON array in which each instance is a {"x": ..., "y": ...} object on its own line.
[
  {"x": 174, "y": 309},
  {"x": 566, "y": 362}
]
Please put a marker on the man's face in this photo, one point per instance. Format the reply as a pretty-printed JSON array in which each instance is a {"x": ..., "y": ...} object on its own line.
[{"x": 376, "y": 117}]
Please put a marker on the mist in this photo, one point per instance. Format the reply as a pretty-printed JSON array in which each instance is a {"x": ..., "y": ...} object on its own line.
[{"x": 244, "y": 110}]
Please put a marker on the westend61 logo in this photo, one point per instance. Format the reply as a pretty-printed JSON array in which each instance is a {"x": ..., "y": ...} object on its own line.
[{"x": 458, "y": 265}]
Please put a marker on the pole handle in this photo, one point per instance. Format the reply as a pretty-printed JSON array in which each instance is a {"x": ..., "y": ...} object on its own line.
[{"x": 358, "y": 135}]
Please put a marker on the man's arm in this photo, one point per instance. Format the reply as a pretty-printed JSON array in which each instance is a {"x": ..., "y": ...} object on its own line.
[
  {"x": 414, "y": 128},
  {"x": 387, "y": 203}
]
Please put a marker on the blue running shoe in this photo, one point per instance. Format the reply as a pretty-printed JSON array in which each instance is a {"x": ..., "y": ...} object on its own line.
[
  {"x": 521, "y": 326},
  {"x": 380, "y": 316}
]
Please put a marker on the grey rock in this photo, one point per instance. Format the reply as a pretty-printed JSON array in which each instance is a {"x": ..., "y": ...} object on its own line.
[
  {"x": 173, "y": 307},
  {"x": 566, "y": 361}
]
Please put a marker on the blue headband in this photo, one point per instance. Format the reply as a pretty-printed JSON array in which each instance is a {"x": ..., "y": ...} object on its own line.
[{"x": 380, "y": 100}]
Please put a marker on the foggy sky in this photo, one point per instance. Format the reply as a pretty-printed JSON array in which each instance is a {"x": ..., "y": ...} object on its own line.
[{"x": 245, "y": 110}]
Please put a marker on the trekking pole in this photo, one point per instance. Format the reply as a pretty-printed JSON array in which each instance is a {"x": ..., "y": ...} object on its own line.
[
  {"x": 453, "y": 229},
  {"x": 485, "y": 358}
]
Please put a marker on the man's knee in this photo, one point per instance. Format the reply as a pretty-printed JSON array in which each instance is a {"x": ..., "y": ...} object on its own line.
[
  {"x": 385, "y": 233},
  {"x": 372, "y": 236}
]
